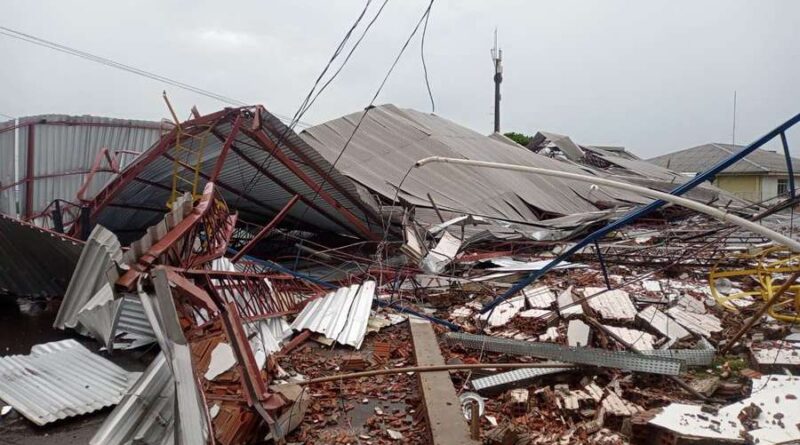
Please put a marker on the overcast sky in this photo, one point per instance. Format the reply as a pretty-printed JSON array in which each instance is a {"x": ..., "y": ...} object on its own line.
[{"x": 653, "y": 76}]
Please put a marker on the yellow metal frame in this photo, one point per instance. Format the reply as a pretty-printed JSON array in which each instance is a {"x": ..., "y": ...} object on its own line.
[
  {"x": 770, "y": 267},
  {"x": 187, "y": 157}
]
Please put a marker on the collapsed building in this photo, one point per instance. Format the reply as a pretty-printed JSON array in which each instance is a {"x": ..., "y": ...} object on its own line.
[{"x": 296, "y": 284}]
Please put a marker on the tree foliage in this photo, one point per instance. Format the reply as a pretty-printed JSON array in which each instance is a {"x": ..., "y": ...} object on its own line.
[{"x": 519, "y": 138}]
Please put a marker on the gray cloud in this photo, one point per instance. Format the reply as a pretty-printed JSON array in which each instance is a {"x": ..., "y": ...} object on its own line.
[{"x": 654, "y": 76}]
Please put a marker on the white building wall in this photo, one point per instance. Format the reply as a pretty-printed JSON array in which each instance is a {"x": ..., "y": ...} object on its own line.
[{"x": 769, "y": 186}]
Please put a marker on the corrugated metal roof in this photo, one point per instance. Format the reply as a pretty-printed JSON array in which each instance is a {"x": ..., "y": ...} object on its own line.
[
  {"x": 146, "y": 413},
  {"x": 341, "y": 315},
  {"x": 692, "y": 160},
  {"x": 34, "y": 261},
  {"x": 64, "y": 148},
  {"x": 390, "y": 140},
  {"x": 239, "y": 175},
  {"x": 96, "y": 268},
  {"x": 59, "y": 380}
]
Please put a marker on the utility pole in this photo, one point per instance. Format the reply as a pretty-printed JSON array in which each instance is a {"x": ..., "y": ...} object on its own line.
[{"x": 497, "y": 58}]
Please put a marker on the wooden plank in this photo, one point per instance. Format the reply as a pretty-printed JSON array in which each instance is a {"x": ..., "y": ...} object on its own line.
[{"x": 446, "y": 423}]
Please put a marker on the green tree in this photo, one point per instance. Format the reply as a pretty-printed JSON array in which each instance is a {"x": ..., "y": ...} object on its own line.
[{"x": 519, "y": 138}]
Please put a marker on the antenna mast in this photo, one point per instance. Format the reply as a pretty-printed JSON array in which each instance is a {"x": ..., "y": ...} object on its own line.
[{"x": 497, "y": 58}]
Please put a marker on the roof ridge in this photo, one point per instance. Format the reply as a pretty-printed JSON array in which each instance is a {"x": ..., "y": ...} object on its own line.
[{"x": 717, "y": 145}]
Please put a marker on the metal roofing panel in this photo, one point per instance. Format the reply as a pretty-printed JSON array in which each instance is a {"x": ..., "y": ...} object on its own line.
[
  {"x": 64, "y": 149},
  {"x": 7, "y": 168},
  {"x": 694, "y": 158},
  {"x": 341, "y": 315},
  {"x": 35, "y": 261},
  {"x": 390, "y": 140},
  {"x": 246, "y": 189},
  {"x": 146, "y": 413},
  {"x": 59, "y": 380},
  {"x": 96, "y": 268}
]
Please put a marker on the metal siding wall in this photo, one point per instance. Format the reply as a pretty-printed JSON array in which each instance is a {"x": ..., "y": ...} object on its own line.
[
  {"x": 7, "y": 174},
  {"x": 68, "y": 145}
]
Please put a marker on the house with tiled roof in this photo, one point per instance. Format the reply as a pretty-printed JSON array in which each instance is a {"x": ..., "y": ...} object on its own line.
[{"x": 760, "y": 176}]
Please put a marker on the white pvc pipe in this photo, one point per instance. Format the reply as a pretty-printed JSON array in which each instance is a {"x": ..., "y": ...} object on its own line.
[{"x": 683, "y": 202}]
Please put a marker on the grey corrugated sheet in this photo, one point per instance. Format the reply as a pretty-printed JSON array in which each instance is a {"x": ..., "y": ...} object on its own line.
[
  {"x": 96, "y": 268},
  {"x": 342, "y": 315},
  {"x": 146, "y": 414},
  {"x": 238, "y": 175},
  {"x": 7, "y": 169},
  {"x": 34, "y": 261},
  {"x": 695, "y": 158},
  {"x": 390, "y": 140},
  {"x": 59, "y": 380},
  {"x": 515, "y": 378},
  {"x": 68, "y": 145}
]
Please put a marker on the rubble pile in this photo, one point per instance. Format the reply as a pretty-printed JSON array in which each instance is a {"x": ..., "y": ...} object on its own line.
[{"x": 363, "y": 312}]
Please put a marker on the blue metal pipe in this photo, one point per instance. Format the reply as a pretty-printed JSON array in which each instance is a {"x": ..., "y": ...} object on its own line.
[
  {"x": 789, "y": 166},
  {"x": 637, "y": 213}
]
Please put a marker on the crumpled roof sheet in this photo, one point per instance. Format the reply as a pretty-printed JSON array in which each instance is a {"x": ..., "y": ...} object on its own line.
[
  {"x": 61, "y": 379},
  {"x": 35, "y": 261},
  {"x": 96, "y": 268},
  {"x": 390, "y": 140},
  {"x": 146, "y": 413},
  {"x": 341, "y": 315},
  {"x": 257, "y": 197}
]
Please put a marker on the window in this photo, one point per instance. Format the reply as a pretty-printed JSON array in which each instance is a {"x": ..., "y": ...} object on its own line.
[{"x": 783, "y": 186}]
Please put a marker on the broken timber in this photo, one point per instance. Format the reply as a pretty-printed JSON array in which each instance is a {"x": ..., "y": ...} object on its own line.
[{"x": 442, "y": 408}]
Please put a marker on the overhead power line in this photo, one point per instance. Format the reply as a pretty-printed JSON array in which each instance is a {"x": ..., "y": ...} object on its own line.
[
  {"x": 313, "y": 94},
  {"x": 19, "y": 35}
]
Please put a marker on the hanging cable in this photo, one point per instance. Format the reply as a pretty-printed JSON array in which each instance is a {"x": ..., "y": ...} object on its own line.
[{"x": 8, "y": 32}]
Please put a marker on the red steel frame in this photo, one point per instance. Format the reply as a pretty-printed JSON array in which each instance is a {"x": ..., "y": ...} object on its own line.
[
  {"x": 268, "y": 228},
  {"x": 209, "y": 221},
  {"x": 106, "y": 196}
]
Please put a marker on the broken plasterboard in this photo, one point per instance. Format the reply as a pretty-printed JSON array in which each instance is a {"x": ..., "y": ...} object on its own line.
[
  {"x": 539, "y": 297},
  {"x": 504, "y": 312},
  {"x": 612, "y": 304},
  {"x": 566, "y": 304},
  {"x": 701, "y": 324},
  {"x": 640, "y": 340},
  {"x": 578, "y": 333},
  {"x": 663, "y": 324}
]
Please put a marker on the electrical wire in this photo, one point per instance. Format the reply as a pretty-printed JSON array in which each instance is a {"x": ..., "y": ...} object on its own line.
[
  {"x": 309, "y": 100},
  {"x": 19, "y": 35},
  {"x": 7, "y": 115},
  {"x": 374, "y": 98},
  {"x": 424, "y": 65}
]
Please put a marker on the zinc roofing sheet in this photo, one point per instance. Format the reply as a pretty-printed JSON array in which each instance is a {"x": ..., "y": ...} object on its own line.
[
  {"x": 390, "y": 140},
  {"x": 247, "y": 190},
  {"x": 59, "y": 380},
  {"x": 341, "y": 315},
  {"x": 694, "y": 158},
  {"x": 64, "y": 148},
  {"x": 35, "y": 261}
]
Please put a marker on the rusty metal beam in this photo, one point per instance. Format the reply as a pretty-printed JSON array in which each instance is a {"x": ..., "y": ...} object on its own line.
[
  {"x": 226, "y": 146},
  {"x": 267, "y": 229}
]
